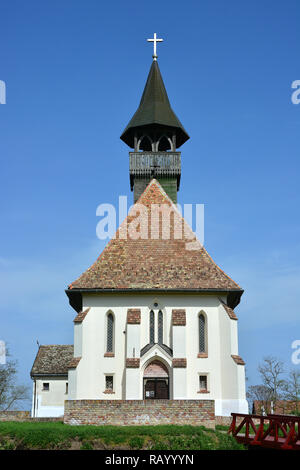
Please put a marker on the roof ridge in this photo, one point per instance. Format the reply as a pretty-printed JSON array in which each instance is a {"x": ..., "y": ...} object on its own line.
[
  {"x": 173, "y": 205},
  {"x": 153, "y": 181},
  {"x": 221, "y": 269}
]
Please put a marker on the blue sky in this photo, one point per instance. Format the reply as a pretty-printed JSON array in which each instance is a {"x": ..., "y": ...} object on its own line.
[{"x": 74, "y": 72}]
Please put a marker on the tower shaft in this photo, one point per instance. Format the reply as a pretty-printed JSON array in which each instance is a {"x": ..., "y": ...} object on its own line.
[{"x": 164, "y": 166}]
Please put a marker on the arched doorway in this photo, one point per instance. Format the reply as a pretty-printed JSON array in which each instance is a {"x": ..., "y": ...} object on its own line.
[{"x": 156, "y": 381}]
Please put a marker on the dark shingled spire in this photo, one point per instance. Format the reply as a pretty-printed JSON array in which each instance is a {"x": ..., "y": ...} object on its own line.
[{"x": 154, "y": 110}]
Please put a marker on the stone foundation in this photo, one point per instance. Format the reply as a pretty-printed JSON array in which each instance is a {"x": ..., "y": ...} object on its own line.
[
  {"x": 227, "y": 420},
  {"x": 14, "y": 415},
  {"x": 23, "y": 416},
  {"x": 224, "y": 420},
  {"x": 140, "y": 412}
]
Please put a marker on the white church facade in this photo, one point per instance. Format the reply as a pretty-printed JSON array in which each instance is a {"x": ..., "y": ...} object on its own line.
[
  {"x": 155, "y": 314},
  {"x": 197, "y": 358}
]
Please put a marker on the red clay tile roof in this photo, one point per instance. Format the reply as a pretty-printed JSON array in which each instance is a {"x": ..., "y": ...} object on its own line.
[
  {"x": 52, "y": 359},
  {"x": 154, "y": 263}
]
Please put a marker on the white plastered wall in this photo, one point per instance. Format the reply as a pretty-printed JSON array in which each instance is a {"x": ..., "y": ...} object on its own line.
[
  {"x": 225, "y": 377},
  {"x": 49, "y": 403}
]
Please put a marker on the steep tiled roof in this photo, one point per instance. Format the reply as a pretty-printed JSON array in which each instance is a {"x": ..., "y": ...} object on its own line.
[
  {"x": 52, "y": 359},
  {"x": 158, "y": 262}
]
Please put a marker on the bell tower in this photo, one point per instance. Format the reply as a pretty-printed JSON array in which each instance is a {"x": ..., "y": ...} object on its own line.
[{"x": 155, "y": 133}]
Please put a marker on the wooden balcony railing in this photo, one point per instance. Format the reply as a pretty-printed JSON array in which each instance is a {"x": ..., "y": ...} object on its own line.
[
  {"x": 273, "y": 431},
  {"x": 159, "y": 163}
]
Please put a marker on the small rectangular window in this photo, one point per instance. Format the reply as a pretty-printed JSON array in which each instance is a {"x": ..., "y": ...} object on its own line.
[
  {"x": 67, "y": 386},
  {"x": 203, "y": 383},
  {"x": 109, "y": 382},
  {"x": 46, "y": 387}
]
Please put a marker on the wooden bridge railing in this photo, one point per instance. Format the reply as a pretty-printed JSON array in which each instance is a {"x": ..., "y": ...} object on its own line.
[{"x": 277, "y": 431}]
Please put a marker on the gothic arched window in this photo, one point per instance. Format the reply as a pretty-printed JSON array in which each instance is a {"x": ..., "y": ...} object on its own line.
[
  {"x": 202, "y": 333},
  {"x": 151, "y": 327},
  {"x": 110, "y": 333},
  {"x": 145, "y": 143},
  {"x": 160, "y": 327},
  {"x": 164, "y": 144}
]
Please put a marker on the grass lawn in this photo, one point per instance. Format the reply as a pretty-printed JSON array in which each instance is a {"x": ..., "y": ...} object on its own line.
[{"x": 56, "y": 435}]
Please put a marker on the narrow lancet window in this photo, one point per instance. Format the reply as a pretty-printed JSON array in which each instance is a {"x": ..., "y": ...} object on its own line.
[
  {"x": 202, "y": 335},
  {"x": 160, "y": 327},
  {"x": 151, "y": 327},
  {"x": 110, "y": 333}
]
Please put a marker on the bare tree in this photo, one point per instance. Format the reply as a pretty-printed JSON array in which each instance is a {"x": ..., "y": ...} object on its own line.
[
  {"x": 262, "y": 394},
  {"x": 291, "y": 389},
  {"x": 10, "y": 392},
  {"x": 271, "y": 371}
]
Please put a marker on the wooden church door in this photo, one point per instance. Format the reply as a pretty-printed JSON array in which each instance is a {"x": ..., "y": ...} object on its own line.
[
  {"x": 156, "y": 389},
  {"x": 156, "y": 381},
  {"x": 162, "y": 389}
]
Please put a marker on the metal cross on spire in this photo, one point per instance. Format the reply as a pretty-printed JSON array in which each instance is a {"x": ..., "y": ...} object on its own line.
[{"x": 154, "y": 40}]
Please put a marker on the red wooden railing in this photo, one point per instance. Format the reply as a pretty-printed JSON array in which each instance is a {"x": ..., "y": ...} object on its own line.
[{"x": 275, "y": 431}]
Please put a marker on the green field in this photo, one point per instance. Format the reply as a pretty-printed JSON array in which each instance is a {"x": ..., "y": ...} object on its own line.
[{"x": 56, "y": 435}]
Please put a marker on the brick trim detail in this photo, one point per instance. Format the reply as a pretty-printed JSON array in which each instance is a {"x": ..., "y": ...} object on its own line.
[
  {"x": 178, "y": 317},
  {"x": 230, "y": 311},
  {"x": 203, "y": 391},
  {"x": 109, "y": 392},
  {"x": 134, "y": 316},
  {"x": 74, "y": 362},
  {"x": 179, "y": 362},
  {"x": 133, "y": 363},
  {"x": 81, "y": 315},
  {"x": 238, "y": 360},
  {"x": 109, "y": 354},
  {"x": 203, "y": 355}
]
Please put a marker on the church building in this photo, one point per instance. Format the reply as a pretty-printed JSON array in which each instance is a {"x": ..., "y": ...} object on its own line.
[{"x": 155, "y": 314}]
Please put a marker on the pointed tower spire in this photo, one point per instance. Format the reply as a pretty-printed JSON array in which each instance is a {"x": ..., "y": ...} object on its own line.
[{"x": 155, "y": 133}]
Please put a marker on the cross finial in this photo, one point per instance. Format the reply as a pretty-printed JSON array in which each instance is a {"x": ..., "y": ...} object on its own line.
[{"x": 154, "y": 40}]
